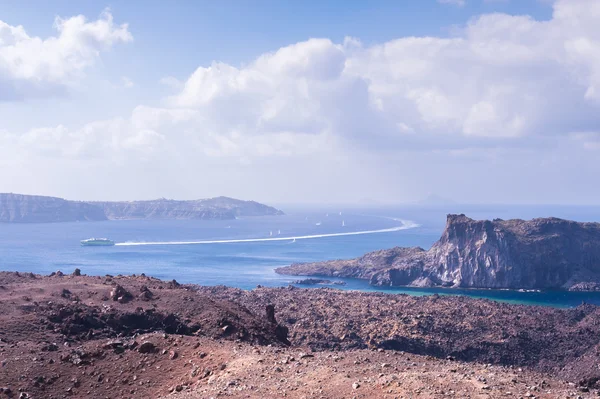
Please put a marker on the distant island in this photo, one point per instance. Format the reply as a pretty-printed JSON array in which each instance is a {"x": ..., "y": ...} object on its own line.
[
  {"x": 545, "y": 253},
  {"x": 19, "y": 208}
]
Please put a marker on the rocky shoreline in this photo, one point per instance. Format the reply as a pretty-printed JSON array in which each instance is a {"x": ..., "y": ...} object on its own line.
[
  {"x": 547, "y": 253},
  {"x": 116, "y": 336}
]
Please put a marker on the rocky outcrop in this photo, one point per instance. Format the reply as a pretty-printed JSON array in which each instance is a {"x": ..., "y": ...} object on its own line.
[
  {"x": 547, "y": 253},
  {"x": 18, "y": 208}
]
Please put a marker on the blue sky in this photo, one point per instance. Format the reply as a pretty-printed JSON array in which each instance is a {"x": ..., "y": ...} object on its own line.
[
  {"x": 192, "y": 33},
  {"x": 301, "y": 101}
]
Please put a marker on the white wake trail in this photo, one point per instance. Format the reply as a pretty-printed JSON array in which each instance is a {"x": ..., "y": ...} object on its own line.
[{"x": 405, "y": 225}]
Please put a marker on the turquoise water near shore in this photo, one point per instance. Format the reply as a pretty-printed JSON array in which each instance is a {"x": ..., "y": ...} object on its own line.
[{"x": 245, "y": 263}]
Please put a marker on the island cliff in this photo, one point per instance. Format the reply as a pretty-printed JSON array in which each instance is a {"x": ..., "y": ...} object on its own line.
[
  {"x": 547, "y": 253},
  {"x": 18, "y": 208}
]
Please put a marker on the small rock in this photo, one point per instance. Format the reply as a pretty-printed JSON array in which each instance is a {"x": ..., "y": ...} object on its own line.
[
  {"x": 50, "y": 347},
  {"x": 356, "y": 385},
  {"x": 145, "y": 294},
  {"x": 120, "y": 294}
]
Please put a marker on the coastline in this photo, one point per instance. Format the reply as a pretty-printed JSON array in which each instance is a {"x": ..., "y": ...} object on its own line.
[{"x": 545, "y": 298}]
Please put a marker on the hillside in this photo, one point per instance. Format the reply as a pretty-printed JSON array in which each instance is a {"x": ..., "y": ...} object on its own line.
[
  {"x": 18, "y": 208},
  {"x": 82, "y": 336}
]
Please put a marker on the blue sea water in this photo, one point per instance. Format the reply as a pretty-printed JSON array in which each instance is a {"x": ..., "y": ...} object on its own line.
[{"x": 44, "y": 248}]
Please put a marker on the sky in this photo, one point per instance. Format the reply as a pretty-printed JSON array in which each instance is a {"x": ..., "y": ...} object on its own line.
[{"x": 336, "y": 102}]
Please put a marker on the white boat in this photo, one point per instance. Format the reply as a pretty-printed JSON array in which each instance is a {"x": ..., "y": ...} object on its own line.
[
  {"x": 270, "y": 233},
  {"x": 318, "y": 224},
  {"x": 343, "y": 223},
  {"x": 340, "y": 213},
  {"x": 97, "y": 242},
  {"x": 278, "y": 232}
]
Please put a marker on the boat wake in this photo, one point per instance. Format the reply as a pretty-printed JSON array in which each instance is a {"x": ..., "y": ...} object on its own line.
[{"x": 406, "y": 224}]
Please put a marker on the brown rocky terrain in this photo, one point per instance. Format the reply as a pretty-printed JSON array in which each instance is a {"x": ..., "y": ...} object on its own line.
[
  {"x": 546, "y": 253},
  {"x": 119, "y": 337}
]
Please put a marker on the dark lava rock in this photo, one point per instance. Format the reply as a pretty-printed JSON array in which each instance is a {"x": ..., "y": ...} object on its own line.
[
  {"x": 147, "y": 347},
  {"x": 145, "y": 294},
  {"x": 270, "y": 310},
  {"x": 120, "y": 294},
  {"x": 52, "y": 347},
  {"x": 173, "y": 284}
]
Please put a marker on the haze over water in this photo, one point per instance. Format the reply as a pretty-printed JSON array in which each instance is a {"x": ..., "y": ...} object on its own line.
[{"x": 244, "y": 252}]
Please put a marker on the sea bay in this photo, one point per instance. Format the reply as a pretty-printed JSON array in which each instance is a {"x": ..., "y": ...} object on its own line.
[{"x": 260, "y": 244}]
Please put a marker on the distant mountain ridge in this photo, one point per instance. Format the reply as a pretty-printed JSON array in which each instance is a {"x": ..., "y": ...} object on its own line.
[
  {"x": 20, "y": 208},
  {"x": 545, "y": 253}
]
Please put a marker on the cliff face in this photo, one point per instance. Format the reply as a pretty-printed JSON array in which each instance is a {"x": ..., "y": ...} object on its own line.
[
  {"x": 17, "y": 208},
  {"x": 535, "y": 254},
  {"x": 213, "y": 208}
]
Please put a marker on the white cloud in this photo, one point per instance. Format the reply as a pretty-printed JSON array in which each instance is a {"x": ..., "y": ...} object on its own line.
[
  {"x": 126, "y": 82},
  {"x": 457, "y": 3},
  {"x": 505, "y": 94},
  {"x": 504, "y": 76},
  {"x": 33, "y": 66}
]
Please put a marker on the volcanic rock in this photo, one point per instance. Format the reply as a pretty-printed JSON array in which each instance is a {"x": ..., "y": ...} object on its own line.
[
  {"x": 120, "y": 294},
  {"x": 545, "y": 253}
]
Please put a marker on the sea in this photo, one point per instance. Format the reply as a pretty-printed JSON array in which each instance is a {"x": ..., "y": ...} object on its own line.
[{"x": 244, "y": 252}]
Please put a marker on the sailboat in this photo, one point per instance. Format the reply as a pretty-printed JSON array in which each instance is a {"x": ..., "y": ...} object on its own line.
[
  {"x": 343, "y": 223},
  {"x": 278, "y": 232},
  {"x": 318, "y": 224},
  {"x": 270, "y": 233},
  {"x": 340, "y": 213}
]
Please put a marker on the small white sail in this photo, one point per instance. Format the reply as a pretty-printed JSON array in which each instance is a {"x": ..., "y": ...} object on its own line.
[
  {"x": 343, "y": 223},
  {"x": 278, "y": 232},
  {"x": 270, "y": 233}
]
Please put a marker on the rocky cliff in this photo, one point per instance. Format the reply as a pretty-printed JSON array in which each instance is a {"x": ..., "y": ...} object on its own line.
[
  {"x": 212, "y": 208},
  {"x": 18, "y": 208},
  {"x": 545, "y": 253}
]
